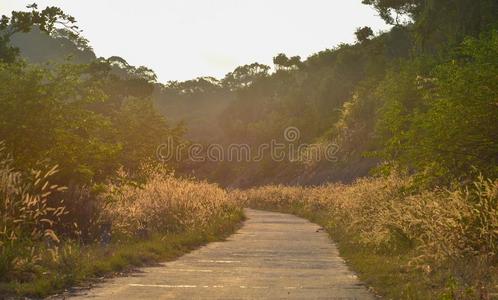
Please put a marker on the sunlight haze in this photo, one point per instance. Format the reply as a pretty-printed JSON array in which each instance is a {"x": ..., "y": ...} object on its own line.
[
  {"x": 286, "y": 149},
  {"x": 183, "y": 39}
]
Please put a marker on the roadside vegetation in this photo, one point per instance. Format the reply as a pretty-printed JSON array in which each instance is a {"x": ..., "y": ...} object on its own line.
[
  {"x": 405, "y": 243},
  {"x": 411, "y": 199},
  {"x": 79, "y": 195},
  {"x": 132, "y": 224}
]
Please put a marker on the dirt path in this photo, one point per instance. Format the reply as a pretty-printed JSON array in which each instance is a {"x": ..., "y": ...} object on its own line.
[{"x": 274, "y": 256}]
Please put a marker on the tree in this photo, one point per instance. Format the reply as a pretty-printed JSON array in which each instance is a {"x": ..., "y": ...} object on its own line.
[
  {"x": 393, "y": 11},
  {"x": 282, "y": 62},
  {"x": 440, "y": 23},
  {"x": 46, "y": 116},
  {"x": 245, "y": 75},
  {"x": 364, "y": 34},
  {"x": 443, "y": 123},
  {"x": 46, "y": 20}
]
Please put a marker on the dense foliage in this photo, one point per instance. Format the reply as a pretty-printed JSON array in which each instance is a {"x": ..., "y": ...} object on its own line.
[
  {"x": 420, "y": 99},
  {"x": 83, "y": 123},
  {"x": 443, "y": 122},
  {"x": 421, "y": 96}
]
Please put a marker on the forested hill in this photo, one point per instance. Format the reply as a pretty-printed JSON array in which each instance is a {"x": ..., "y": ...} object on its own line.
[
  {"x": 61, "y": 46},
  {"x": 419, "y": 97}
]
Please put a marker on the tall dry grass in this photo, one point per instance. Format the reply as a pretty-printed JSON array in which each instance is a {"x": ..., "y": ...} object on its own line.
[
  {"x": 439, "y": 228},
  {"x": 26, "y": 218},
  {"x": 165, "y": 204},
  {"x": 34, "y": 233}
]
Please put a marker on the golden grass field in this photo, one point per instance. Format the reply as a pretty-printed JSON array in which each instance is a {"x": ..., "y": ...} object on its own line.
[
  {"x": 404, "y": 242},
  {"x": 448, "y": 236},
  {"x": 155, "y": 220}
]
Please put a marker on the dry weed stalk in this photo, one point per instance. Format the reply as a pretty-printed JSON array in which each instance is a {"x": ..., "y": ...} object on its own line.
[{"x": 26, "y": 218}]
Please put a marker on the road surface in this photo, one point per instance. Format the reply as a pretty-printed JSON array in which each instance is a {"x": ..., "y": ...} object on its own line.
[{"x": 273, "y": 256}]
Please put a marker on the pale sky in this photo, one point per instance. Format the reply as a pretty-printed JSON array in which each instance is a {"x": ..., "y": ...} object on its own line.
[{"x": 184, "y": 39}]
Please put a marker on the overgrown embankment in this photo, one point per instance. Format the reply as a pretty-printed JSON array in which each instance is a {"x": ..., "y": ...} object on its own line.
[
  {"x": 132, "y": 224},
  {"x": 405, "y": 243}
]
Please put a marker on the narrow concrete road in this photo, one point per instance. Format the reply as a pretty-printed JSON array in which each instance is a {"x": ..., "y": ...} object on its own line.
[{"x": 274, "y": 256}]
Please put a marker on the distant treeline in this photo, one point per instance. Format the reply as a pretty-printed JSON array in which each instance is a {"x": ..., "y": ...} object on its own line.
[{"x": 420, "y": 97}]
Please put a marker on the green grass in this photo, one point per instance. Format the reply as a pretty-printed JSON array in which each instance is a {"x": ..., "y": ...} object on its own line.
[{"x": 80, "y": 265}]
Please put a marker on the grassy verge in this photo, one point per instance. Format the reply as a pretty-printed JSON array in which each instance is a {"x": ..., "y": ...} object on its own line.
[
  {"x": 387, "y": 273},
  {"x": 405, "y": 242},
  {"x": 74, "y": 265}
]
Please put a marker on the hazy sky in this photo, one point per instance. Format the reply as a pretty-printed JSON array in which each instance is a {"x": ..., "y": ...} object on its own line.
[{"x": 183, "y": 39}]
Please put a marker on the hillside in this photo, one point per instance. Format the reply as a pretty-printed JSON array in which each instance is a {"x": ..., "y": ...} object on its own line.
[
  {"x": 390, "y": 143},
  {"x": 364, "y": 98},
  {"x": 38, "y": 47}
]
